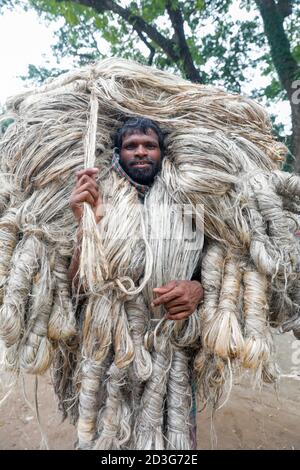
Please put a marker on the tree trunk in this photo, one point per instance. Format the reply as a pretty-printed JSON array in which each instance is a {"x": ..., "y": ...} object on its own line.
[
  {"x": 285, "y": 64},
  {"x": 296, "y": 134}
]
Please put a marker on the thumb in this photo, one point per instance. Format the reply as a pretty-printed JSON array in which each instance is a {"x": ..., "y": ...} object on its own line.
[{"x": 166, "y": 288}]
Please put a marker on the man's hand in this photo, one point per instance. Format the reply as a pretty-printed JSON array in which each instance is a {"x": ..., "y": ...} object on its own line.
[
  {"x": 86, "y": 190},
  {"x": 180, "y": 298}
]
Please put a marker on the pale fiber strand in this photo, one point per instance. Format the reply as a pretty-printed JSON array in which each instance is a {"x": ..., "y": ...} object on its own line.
[
  {"x": 97, "y": 340},
  {"x": 91, "y": 257},
  {"x": 17, "y": 291},
  {"x": 258, "y": 338},
  {"x": 179, "y": 399},
  {"x": 281, "y": 238},
  {"x": 220, "y": 154},
  {"x": 138, "y": 319},
  {"x": 148, "y": 429},
  {"x": 36, "y": 350},
  {"x": 62, "y": 323},
  {"x": 8, "y": 241},
  {"x": 225, "y": 335},
  {"x": 211, "y": 278},
  {"x": 115, "y": 418},
  {"x": 91, "y": 374}
]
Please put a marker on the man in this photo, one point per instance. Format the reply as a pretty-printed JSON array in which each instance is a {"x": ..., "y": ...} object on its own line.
[{"x": 137, "y": 157}]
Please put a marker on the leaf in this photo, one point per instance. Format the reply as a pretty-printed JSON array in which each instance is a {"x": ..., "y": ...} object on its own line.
[
  {"x": 200, "y": 4},
  {"x": 296, "y": 53},
  {"x": 274, "y": 91},
  {"x": 71, "y": 17}
]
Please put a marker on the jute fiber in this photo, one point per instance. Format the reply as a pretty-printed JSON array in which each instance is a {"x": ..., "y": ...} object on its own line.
[{"x": 123, "y": 372}]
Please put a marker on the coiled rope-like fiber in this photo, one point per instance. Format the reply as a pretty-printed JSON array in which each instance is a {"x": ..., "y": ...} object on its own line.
[{"x": 121, "y": 370}]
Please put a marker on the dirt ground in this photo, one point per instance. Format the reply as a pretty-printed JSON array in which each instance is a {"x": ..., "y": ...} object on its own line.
[{"x": 249, "y": 420}]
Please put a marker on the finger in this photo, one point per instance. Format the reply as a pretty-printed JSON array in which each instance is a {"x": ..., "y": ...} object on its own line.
[
  {"x": 175, "y": 310},
  {"x": 87, "y": 187},
  {"x": 99, "y": 212},
  {"x": 87, "y": 171},
  {"x": 77, "y": 197},
  {"x": 83, "y": 197},
  {"x": 162, "y": 299},
  {"x": 86, "y": 179},
  {"x": 178, "y": 316},
  {"x": 166, "y": 287},
  {"x": 179, "y": 301}
]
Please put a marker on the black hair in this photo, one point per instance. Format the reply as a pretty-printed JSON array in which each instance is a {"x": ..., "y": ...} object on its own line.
[{"x": 140, "y": 124}]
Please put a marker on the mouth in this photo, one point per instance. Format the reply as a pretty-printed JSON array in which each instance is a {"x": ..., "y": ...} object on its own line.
[{"x": 141, "y": 164}]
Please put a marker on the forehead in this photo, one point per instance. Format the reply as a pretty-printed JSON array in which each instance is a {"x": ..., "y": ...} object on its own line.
[{"x": 132, "y": 134}]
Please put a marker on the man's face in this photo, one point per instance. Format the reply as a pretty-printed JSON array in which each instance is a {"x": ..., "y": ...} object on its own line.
[{"x": 140, "y": 155}]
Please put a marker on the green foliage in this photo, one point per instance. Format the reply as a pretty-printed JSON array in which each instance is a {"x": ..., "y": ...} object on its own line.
[
  {"x": 225, "y": 54},
  {"x": 279, "y": 133},
  {"x": 6, "y": 4},
  {"x": 288, "y": 164},
  {"x": 274, "y": 91},
  {"x": 150, "y": 10},
  {"x": 296, "y": 52},
  {"x": 229, "y": 46},
  {"x": 4, "y": 120},
  {"x": 37, "y": 75},
  {"x": 4, "y": 124},
  {"x": 72, "y": 12}
]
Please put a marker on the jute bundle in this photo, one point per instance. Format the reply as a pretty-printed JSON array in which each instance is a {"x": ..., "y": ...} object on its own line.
[
  {"x": 62, "y": 323},
  {"x": 36, "y": 348},
  {"x": 179, "y": 401},
  {"x": 121, "y": 370},
  {"x": 9, "y": 232}
]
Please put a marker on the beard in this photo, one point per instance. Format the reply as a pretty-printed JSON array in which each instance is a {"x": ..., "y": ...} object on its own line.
[{"x": 143, "y": 176}]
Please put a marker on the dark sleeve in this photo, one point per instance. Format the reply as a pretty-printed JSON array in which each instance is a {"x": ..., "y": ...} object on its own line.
[{"x": 197, "y": 273}]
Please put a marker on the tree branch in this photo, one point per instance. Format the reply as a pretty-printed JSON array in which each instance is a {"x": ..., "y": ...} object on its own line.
[
  {"x": 178, "y": 25},
  {"x": 138, "y": 23},
  {"x": 151, "y": 48},
  {"x": 96, "y": 44}
]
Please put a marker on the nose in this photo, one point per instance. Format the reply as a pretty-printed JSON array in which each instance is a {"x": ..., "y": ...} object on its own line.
[{"x": 141, "y": 151}]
